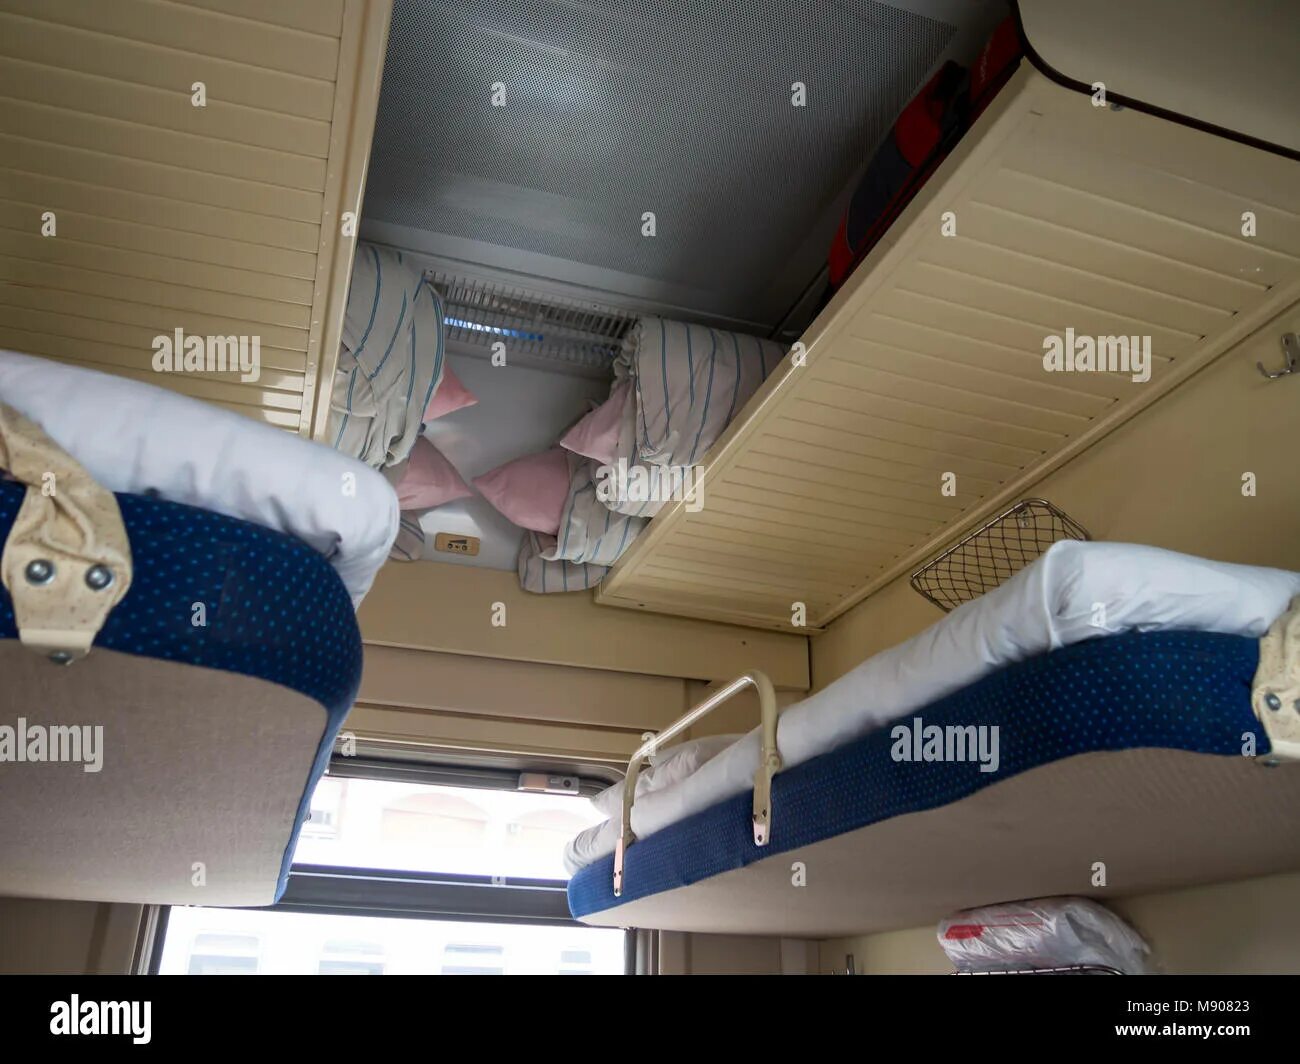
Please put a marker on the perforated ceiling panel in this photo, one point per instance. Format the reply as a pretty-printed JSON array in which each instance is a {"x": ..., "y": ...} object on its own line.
[{"x": 612, "y": 110}]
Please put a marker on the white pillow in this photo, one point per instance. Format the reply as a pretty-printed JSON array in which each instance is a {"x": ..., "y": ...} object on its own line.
[
  {"x": 138, "y": 438},
  {"x": 671, "y": 766}
]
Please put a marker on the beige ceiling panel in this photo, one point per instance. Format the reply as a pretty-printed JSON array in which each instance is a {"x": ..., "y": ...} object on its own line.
[{"x": 930, "y": 360}]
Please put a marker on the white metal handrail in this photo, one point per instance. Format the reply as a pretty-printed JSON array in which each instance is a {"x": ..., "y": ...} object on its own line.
[{"x": 769, "y": 763}]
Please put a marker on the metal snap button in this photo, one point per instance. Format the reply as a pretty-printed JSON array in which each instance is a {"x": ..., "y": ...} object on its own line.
[{"x": 39, "y": 572}]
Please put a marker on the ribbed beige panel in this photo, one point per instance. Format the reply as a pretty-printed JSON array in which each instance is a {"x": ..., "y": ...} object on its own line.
[
  {"x": 930, "y": 360},
  {"x": 217, "y": 220}
]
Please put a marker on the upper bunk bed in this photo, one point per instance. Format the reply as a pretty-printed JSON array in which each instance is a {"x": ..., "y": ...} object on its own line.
[
  {"x": 179, "y": 561},
  {"x": 1114, "y": 719},
  {"x": 920, "y": 402}
]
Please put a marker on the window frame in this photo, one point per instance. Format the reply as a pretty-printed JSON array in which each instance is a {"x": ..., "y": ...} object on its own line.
[{"x": 349, "y": 891}]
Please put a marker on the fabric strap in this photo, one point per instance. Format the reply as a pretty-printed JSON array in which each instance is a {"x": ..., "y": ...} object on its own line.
[
  {"x": 1275, "y": 694},
  {"x": 67, "y": 561}
]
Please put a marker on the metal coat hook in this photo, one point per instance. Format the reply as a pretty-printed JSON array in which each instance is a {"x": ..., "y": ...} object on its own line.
[{"x": 1290, "y": 354}]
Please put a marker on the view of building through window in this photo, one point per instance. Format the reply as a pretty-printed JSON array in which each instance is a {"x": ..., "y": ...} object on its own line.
[
  {"x": 411, "y": 827},
  {"x": 362, "y": 823},
  {"x": 257, "y": 942}
]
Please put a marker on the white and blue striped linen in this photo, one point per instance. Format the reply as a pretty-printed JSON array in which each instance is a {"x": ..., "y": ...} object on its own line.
[
  {"x": 590, "y": 539},
  {"x": 542, "y": 575},
  {"x": 691, "y": 381},
  {"x": 391, "y": 360},
  {"x": 410, "y": 544}
]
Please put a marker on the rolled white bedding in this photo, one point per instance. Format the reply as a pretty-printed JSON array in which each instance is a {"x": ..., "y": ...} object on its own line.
[
  {"x": 1075, "y": 591},
  {"x": 138, "y": 438}
]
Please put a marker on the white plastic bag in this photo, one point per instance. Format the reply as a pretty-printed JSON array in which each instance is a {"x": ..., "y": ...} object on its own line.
[{"x": 1041, "y": 933}]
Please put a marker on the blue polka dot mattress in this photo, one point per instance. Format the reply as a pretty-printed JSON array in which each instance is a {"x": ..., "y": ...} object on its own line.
[
  {"x": 1019, "y": 748},
  {"x": 175, "y": 762}
]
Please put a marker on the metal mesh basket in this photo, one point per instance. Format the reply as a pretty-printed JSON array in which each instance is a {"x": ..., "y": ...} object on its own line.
[{"x": 991, "y": 554}]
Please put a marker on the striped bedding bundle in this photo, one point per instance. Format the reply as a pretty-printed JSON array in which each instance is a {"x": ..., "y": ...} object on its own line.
[
  {"x": 391, "y": 360},
  {"x": 590, "y": 539},
  {"x": 689, "y": 381}
]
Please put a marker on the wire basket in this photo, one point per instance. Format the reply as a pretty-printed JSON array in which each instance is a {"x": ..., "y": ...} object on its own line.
[{"x": 994, "y": 552}]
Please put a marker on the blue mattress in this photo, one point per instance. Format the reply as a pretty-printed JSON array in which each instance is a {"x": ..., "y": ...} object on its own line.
[
  {"x": 1179, "y": 690},
  {"x": 276, "y": 609}
]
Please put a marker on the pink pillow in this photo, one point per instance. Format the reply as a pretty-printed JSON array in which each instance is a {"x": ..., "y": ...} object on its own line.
[
  {"x": 448, "y": 396},
  {"x": 429, "y": 479},
  {"x": 596, "y": 435},
  {"x": 530, "y": 491}
]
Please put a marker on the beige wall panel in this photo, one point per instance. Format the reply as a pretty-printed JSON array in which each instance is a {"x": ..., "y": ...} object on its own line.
[
  {"x": 169, "y": 109},
  {"x": 1216, "y": 251},
  {"x": 1226, "y": 929},
  {"x": 314, "y": 16},
  {"x": 1228, "y": 64},
  {"x": 448, "y": 608},
  {"x": 456, "y": 683},
  {"x": 192, "y": 152},
  {"x": 55, "y": 161},
  {"x": 719, "y": 553},
  {"x": 814, "y": 470},
  {"x": 256, "y": 261},
  {"x": 141, "y": 63},
  {"x": 963, "y": 254},
  {"x": 274, "y": 389},
  {"x": 279, "y": 367},
  {"x": 829, "y": 552},
  {"x": 203, "y": 203},
  {"x": 989, "y": 362},
  {"x": 281, "y": 419},
  {"x": 175, "y": 298},
  {"x": 441, "y": 734},
  {"x": 258, "y": 43},
  {"x": 721, "y": 955},
  {"x": 219, "y": 220},
  {"x": 930, "y": 360},
  {"x": 451, "y": 704},
  {"x": 1015, "y": 413},
  {"x": 914, "y": 951},
  {"x": 1002, "y": 228},
  {"x": 44, "y": 937},
  {"x": 290, "y": 343},
  {"x": 135, "y": 266}
]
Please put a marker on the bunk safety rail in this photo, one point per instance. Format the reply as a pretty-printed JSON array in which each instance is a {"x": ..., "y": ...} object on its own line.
[{"x": 768, "y": 766}]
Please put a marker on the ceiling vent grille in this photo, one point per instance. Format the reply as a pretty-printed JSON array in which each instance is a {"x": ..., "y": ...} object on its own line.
[{"x": 559, "y": 334}]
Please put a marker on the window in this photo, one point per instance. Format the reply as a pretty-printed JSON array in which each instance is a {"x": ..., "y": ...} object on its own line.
[
  {"x": 460, "y": 959},
  {"x": 221, "y": 954},
  {"x": 575, "y": 962},
  {"x": 315, "y": 943},
  {"x": 401, "y": 876},
  {"x": 423, "y": 827},
  {"x": 352, "y": 958}
]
